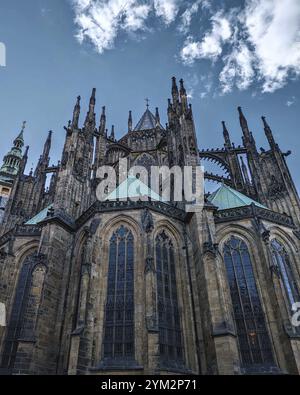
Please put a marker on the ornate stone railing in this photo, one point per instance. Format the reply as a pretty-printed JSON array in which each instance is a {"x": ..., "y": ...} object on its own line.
[
  {"x": 21, "y": 231},
  {"x": 161, "y": 207},
  {"x": 252, "y": 211}
]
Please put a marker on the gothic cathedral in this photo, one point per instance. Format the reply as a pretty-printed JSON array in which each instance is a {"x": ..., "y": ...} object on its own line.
[{"x": 142, "y": 287}]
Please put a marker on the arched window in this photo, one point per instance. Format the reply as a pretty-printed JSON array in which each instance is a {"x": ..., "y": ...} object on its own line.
[
  {"x": 35, "y": 286},
  {"x": 253, "y": 338},
  {"x": 25, "y": 307},
  {"x": 282, "y": 262},
  {"x": 170, "y": 334},
  {"x": 119, "y": 310}
]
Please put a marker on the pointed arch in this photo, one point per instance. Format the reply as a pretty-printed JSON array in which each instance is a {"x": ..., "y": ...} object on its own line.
[
  {"x": 171, "y": 347},
  {"x": 253, "y": 337},
  {"x": 118, "y": 341}
]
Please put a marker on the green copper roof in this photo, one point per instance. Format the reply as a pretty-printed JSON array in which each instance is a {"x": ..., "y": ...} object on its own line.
[
  {"x": 39, "y": 217},
  {"x": 226, "y": 197},
  {"x": 132, "y": 187}
]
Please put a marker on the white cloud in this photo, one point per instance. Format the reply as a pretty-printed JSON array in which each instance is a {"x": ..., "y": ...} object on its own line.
[
  {"x": 167, "y": 9},
  {"x": 100, "y": 21},
  {"x": 188, "y": 14},
  {"x": 257, "y": 42},
  {"x": 291, "y": 101},
  {"x": 211, "y": 46},
  {"x": 274, "y": 32},
  {"x": 238, "y": 70}
]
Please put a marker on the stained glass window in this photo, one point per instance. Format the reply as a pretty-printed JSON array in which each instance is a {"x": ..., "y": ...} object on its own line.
[
  {"x": 170, "y": 334},
  {"x": 282, "y": 261},
  {"x": 253, "y": 338},
  {"x": 119, "y": 310}
]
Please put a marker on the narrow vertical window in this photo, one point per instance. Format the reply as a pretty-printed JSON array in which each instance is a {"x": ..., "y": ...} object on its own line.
[
  {"x": 33, "y": 302},
  {"x": 119, "y": 310},
  {"x": 170, "y": 334},
  {"x": 282, "y": 261},
  {"x": 253, "y": 338}
]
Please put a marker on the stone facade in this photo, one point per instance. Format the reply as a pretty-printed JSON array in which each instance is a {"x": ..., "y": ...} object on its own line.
[{"x": 142, "y": 287}]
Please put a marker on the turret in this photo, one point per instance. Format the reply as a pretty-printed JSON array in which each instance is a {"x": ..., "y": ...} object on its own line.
[
  {"x": 226, "y": 135},
  {"x": 12, "y": 159},
  {"x": 269, "y": 134},
  {"x": 76, "y": 113},
  {"x": 102, "y": 122},
  {"x": 130, "y": 122}
]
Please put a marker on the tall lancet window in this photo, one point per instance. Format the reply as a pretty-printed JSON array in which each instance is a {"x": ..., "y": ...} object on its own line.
[
  {"x": 170, "y": 334},
  {"x": 253, "y": 338},
  {"x": 119, "y": 310},
  {"x": 282, "y": 261},
  {"x": 33, "y": 301}
]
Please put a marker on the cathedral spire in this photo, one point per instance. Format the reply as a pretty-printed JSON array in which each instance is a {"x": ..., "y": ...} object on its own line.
[
  {"x": 12, "y": 159},
  {"x": 112, "y": 134},
  {"x": 248, "y": 138},
  {"x": 269, "y": 134},
  {"x": 226, "y": 135},
  {"x": 102, "y": 121},
  {"x": 90, "y": 118},
  {"x": 174, "y": 91},
  {"x": 183, "y": 95},
  {"x": 76, "y": 113},
  {"x": 24, "y": 161},
  {"x": 130, "y": 122}
]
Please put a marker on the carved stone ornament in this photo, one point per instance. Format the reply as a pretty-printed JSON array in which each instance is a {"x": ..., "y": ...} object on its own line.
[{"x": 147, "y": 221}]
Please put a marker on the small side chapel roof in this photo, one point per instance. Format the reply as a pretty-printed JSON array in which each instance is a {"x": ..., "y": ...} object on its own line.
[
  {"x": 226, "y": 198},
  {"x": 39, "y": 217}
]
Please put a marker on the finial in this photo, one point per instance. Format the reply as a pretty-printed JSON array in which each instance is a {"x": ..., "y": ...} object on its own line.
[
  {"x": 147, "y": 102},
  {"x": 23, "y": 126}
]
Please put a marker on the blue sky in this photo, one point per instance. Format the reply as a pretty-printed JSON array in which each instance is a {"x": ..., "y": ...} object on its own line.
[{"x": 239, "y": 53}]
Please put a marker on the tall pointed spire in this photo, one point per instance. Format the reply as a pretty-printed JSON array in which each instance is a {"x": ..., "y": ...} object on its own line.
[
  {"x": 130, "y": 121},
  {"x": 12, "y": 159},
  {"x": 44, "y": 158},
  {"x": 102, "y": 121},
  {"x": 269, "y": 134},
  {"x": 226, "y": 136},
  {"x": 183, "y": 95},
  {"x": 247, "y": 135},
  {"x": 174, "y": 91},
  {"x": 47, "y": 145},
  {"x": 112, "y": 134},
  {"x": 76, "y": 113},
  {"x": 24, "y": 161},
  {"x": 90, "y": 118}
]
